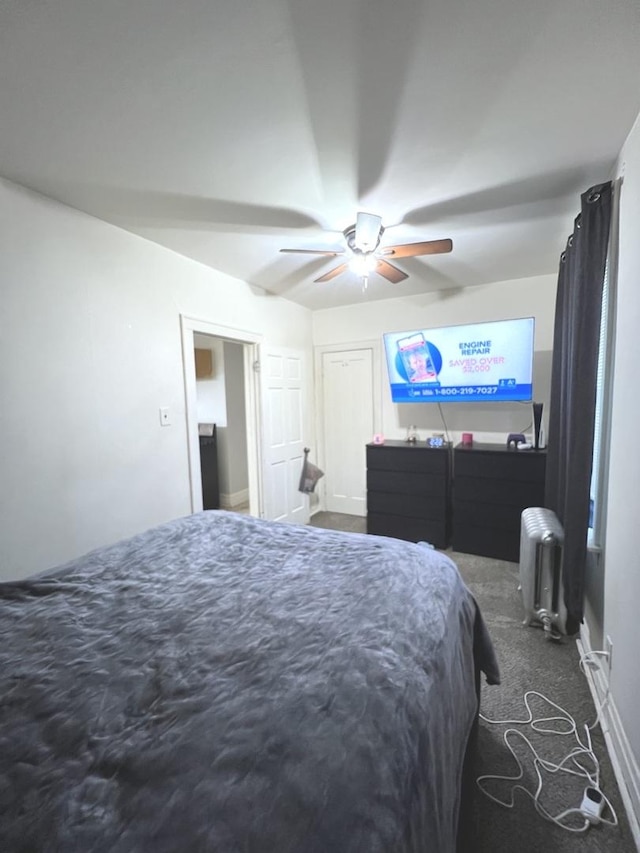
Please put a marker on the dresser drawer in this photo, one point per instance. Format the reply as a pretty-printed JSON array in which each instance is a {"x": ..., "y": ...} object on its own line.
[
  {"x": 412, "y": 458},
  {"x": 483, "y": 514},
  {"x": 487, "y": 542},
  {"x": 515, "y": 465},
  {"x": 409, "y": 483},
  {"x": 429, "y": 507},
  {"x": 412, "y": 530},
  {"x": 518, "y": 493}
]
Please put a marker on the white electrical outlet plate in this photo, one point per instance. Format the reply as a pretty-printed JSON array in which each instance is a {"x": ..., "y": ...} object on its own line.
[{"x": 165, "y": 419}]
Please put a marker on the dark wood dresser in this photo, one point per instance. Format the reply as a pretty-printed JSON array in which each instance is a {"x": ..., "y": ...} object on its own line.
[
  {"x": 408, "y": 491},
  {"x": 492, "y": 484},
  {"x": 209, "y": 470}
]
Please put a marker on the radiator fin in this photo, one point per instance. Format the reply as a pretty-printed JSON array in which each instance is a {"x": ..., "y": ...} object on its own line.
[{"x": 541, "y": 546}]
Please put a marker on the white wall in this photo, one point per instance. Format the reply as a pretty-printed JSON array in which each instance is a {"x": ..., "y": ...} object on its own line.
[
  {"x": 491, "y": 422},
  {"x": 622, "y": 561},
  {"x": 89, "y": 350},
  {"x": 210, "y": 390},
  {"x": 237, "y": 475}
]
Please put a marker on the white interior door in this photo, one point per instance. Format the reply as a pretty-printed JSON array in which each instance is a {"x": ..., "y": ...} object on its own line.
[
  {"x": 283, "y": 400},
  {"x": 348, "y": 414}
]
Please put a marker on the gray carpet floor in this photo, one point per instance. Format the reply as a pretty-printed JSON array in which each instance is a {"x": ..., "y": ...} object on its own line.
[{"x": 528, "y": 662}]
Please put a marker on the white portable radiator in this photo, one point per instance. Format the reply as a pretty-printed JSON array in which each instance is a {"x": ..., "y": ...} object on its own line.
[{"x": 541, "y": 541}]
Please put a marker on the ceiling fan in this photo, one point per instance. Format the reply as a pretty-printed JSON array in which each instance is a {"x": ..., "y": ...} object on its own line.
[{"x": 363, "y": 239}]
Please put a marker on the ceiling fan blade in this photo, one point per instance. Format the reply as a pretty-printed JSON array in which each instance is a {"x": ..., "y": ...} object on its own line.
[
  {"x": 368, "y": 232},
  {"x": 391, "y": 273},
  {"x": 313, "y": 251},
  {"x": 410, "y": 250},
  {"x": 333, "y": 273}
]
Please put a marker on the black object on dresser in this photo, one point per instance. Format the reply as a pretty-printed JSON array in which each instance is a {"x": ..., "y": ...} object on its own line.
[
  {"x": 209, "y": 471},
  {"x": 408, "y": 491},
  {"x": 492, "y": 484}
]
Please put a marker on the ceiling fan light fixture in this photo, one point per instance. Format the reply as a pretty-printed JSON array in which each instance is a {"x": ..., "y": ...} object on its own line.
[
  {"x": 363, "y": 263},
  {"x": 368, "y": 230},
  {"x": 363, "y": 239}
]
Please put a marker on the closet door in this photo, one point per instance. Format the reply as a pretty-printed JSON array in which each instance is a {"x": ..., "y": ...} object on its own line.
[
  {"x": 283, "y": 378},
  {"x": 348, "y": 424}
]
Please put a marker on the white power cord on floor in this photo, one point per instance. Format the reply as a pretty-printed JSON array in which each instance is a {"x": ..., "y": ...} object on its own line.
[
  {"x": 591, "y": 659},
  {"x": 594, "y": 800}
]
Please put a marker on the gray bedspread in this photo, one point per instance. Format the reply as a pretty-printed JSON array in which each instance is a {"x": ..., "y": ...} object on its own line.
[{"x": 226, "y": 684}]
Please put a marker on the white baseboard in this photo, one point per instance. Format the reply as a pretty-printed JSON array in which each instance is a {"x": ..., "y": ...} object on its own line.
[
  {"x": 233, "y": 500},
  {"x": 622, "y": 758}
]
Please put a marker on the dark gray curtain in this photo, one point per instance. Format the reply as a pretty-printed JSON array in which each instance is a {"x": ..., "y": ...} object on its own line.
[{"x": 573, "y": 387}]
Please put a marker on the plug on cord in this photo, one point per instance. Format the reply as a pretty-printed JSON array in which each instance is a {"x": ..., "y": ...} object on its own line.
[{"x": 592, "y": 805}]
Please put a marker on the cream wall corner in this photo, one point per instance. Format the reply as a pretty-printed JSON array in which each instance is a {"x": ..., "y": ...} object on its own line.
[
  {"x": 90, "y": 350},
  {"x": 367, "y": 321}
]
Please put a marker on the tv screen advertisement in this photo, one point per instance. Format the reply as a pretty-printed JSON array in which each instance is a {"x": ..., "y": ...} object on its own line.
[{"x": 479, "y": 362}]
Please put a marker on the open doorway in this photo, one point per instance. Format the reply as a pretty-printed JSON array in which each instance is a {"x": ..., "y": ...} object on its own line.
[{"x": 222, "y": 425}]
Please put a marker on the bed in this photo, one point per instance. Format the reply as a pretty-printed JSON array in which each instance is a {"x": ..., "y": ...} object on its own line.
[{"x": 222, "y": 683}]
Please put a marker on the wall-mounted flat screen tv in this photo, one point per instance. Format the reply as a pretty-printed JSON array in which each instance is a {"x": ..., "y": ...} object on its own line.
[{"x": 474, "y": 363}]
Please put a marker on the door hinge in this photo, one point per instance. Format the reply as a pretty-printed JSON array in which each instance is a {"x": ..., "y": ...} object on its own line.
[{"x": 256, "y": 366}]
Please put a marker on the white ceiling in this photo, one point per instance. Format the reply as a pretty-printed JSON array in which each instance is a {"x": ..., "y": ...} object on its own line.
[{"x": 227, "y": 129}]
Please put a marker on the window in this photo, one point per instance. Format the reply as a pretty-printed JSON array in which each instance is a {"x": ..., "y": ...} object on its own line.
[{"x": 599, "y": 466}]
